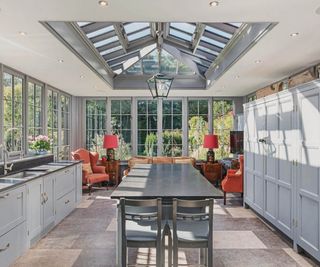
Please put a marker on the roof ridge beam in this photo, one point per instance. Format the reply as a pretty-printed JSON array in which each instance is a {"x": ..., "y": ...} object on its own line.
[
  {"x": 123, "y": 39},
  {"x": 200, "y": 28}
]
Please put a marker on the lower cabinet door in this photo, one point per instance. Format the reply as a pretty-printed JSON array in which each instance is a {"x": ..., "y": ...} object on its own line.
[
  {"x": 34, "y": 210},
  {"x": 49, "y": 201},
  {"x": 65, "y": 205},
  {"x": 12, "y": 207},
  {"x": 78, "y": 183},
  {"x": 13, "y": 244}
]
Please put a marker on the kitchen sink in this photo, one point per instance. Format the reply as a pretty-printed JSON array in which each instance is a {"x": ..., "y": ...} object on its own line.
[
  {"x": 9, "y": 181},
  {"x": 23, "y": 175}
]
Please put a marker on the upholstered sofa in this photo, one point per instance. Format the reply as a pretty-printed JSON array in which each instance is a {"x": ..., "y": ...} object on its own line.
[{"x": 159, "y": 160}]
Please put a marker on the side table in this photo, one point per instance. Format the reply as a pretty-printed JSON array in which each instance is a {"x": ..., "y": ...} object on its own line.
[
  {"x": 212, "y": 171},
  {"x": 112, "y": 168}
]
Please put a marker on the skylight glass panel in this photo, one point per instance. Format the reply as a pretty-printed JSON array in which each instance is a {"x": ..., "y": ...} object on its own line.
[
  {"x": 180, "y": 35},
  {"x": 213, "y": 42},
  {"x": 150, "y": 63},
  {"x": 111, "y": 50},
  {"x": 135, "y": 68},
  {"x": 101, "y": 31},
  {"x": 135, "y": 26},
  {"x": 81, "y": 24},
  {"x": 106, "y": 41},
  {"x": 208, "y": 50},
  {"x": 236, "y": 24},
  {"x": 185, "y": 70},
  {"x": 187, "y": 27},
  {"x": 168, "y": 63},
  {"x": 219, "y": 32},
  {"x": 139, "y": 35}
]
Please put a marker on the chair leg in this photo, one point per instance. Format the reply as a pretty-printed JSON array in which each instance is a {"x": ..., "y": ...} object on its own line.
[
  {"x": 175, "y": 254},
  {"x": 224, "y": 198},
  {"x": 169, "y": 250},
  {"x": 210, "y": 254},
  {"x": 90, "y": 189},
  {"x": 159, "y": 255}
]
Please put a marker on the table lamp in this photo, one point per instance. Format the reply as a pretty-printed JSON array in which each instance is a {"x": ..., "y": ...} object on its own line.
[
  {"x": 110, "y": 142},
  {"x": 211, "y": 142}
]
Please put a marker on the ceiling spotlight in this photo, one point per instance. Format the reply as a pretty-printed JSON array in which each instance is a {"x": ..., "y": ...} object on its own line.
[
  {"x": 103, "y": 3},
  {"x": 60, "y": 61},
  {"x": 81, "y": 76},
  {"x": 258, "y": 61},
  {"x": 294, "y": 34},
  {"x": 22, "y": 33},
  {"x": 214, "y": 3},
  {"x": 237, "y": 76}
]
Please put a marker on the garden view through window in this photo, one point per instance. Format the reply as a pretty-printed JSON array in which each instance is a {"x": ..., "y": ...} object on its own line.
[{"x": 155, "y": 131}]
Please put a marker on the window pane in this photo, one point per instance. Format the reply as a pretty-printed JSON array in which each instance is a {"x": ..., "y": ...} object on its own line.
[
  {"x": 223, "y": 123},
  {"x": 147, "y": 127},
  {"x": 198, "y": 127},
  {"x": 172, "y": 128}
]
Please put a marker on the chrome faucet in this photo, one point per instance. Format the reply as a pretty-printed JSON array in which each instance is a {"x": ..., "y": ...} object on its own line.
[{"x": 5, "y": 156}]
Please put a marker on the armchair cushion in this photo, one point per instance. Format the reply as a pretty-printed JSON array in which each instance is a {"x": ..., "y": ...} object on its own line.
[{"x": 87, "y": 167}]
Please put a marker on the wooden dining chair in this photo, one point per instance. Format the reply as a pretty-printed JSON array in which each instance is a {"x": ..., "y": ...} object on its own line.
[
  {"x": 192, "y": 227},
  {"x": 141, "y": 227}
]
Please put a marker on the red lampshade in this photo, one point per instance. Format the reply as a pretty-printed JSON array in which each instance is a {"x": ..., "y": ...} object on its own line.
[
  {"x": 110, "y": 141},
  {"x": 210, "y": 141}
]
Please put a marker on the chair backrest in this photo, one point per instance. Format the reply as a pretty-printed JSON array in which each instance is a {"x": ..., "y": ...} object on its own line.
[
  {"x": 139, "y": 160},
  {"x": 162, "y": 160},
  {"x": 241, "y": 163},
  {"x": 194, "y": 211},
  {"x": 212, "y": 167},
  {"x": 184, "y": 160},
  {"x": 81, "y": 154},
  {"x": 141, "y": 211}
]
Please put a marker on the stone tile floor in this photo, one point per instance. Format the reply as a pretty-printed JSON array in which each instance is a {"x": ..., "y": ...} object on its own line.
[{"x": 87, "y": 236}]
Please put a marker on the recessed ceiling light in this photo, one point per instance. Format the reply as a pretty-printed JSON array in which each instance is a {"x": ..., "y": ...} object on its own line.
[
  {"x": 60, "y": 61},
  {"x": 237, "y": 76},
  {"x": 81, "y": 76},
  {"x": 258, "y": 61},
  {"x": 22, "y": 33},
  {"x": 294, "y": 34},
  {"x": 103, "y": 3},
  {"x": 214, "y": 3}
]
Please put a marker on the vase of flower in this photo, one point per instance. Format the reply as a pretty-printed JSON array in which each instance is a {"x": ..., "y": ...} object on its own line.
[{"x": 41, "y": 144}]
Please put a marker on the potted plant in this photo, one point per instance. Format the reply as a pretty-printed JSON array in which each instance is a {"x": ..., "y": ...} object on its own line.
[{"x": 41, "y": 144}]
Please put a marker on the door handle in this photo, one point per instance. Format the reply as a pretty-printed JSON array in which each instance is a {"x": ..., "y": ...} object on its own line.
[
  {"x": 66, "y": 202},
  {"x": 4, "y": 196},
  {"x": 5, "y": 248}
]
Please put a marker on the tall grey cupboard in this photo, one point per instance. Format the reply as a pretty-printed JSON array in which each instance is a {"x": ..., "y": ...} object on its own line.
[{"x": 282, "y": 160}]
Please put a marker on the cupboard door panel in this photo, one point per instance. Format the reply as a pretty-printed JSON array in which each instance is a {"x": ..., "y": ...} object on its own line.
[{"x": 308, "y": 171}]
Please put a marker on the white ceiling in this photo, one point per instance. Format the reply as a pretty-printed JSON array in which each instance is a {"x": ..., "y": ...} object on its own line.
[{"x": 38, "y": 52}]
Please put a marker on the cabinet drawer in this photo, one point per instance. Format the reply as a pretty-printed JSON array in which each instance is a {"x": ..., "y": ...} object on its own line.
[
  {"x": 65, "y": 182},
  {"x": 13, "y": 206},
  {"x": 13, "y": 244},
  {"x": 65, "y": 205}
]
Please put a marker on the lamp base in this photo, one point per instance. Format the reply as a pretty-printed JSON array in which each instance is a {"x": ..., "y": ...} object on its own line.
[
  {"x": 210, "y": 156},
  {"x": 110, "y": 154}
]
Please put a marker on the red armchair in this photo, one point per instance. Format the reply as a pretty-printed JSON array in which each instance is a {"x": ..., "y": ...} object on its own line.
[
  {"x": 233, "y": 182},
  {"x": 91, "y": 173}
]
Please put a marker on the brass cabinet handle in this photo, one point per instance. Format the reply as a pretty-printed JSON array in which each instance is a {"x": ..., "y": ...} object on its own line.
[
  {"x": 5, "y": 248},
  {"x": 4, "y": 196}
]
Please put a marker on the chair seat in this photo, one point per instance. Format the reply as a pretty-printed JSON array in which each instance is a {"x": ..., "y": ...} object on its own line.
[
  {"x": 141, "y": 230},
  {"x": 188, "y": 231},
  {"x": 97, "y": 178}
]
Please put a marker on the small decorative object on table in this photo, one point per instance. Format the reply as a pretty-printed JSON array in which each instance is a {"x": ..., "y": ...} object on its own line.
[
  {"x": 211, "y": 142},
  {"x": 41, "y": 144}
]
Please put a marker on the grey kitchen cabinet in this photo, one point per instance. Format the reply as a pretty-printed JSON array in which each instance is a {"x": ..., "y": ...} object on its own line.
[{"x": 282, "y": 162}]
